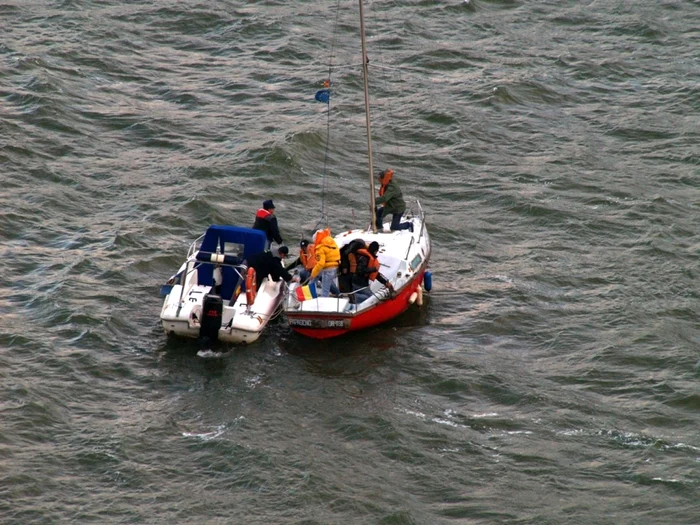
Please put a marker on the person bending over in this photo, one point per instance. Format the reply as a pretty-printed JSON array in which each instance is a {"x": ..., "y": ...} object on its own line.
[
  {"x": 367, "y": 271},
  {"x": 265, "y": 263}
]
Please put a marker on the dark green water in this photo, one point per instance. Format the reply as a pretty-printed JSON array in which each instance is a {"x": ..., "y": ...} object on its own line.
[{"x": 552, "y": 375}]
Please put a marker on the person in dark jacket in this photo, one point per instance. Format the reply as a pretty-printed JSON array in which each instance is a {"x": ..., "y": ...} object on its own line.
[
  {"x": 348, "y": 264},
  {"x": 367, "y": 270},
  {"x": 391, "y": 201},
  {"x": 265, "y": 263},
  {"x": 266, "y": 221}
]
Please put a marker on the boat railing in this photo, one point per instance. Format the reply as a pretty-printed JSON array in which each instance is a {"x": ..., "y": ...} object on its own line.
[
  {"x": 193, "y": 247},
  {"x": 379, "y": 295},
  {"x": 193, "y": 264},
  {"x": 236, "y": 267},
  {"x": 422, "y": 220},
  {"x": 350, "y": 296},
  {"x": 420, "y": 213},
  {"x": 183, "y": 281},
  {"x": 410, "y": 244}
]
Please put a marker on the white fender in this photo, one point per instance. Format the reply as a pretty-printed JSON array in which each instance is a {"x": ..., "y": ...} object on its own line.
[
  {"x": 419, "y": 290},
  {"x": 413, "y": 297}
]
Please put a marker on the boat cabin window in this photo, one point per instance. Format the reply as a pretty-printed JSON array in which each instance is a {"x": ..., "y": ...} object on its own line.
[{"x": 234, "y": 248}]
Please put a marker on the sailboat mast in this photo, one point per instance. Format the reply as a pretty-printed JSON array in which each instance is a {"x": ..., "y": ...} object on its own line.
[{"x": 365, "y": 76}]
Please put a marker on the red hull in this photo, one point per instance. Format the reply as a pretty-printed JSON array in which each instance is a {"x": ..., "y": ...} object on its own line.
[{"x": 327, "y": 325}]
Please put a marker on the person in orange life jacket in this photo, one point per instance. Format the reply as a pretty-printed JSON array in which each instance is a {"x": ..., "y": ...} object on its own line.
[
  {"x": 306, "y": 259},
  {"x": 266, "y": 263},
  {"x": 327, "y": 259},
  {"x": 348, "y": 264},
  {"x": 391, "y": 202},
  {"x": 367, "y": 270},
  {"x": 266, "y": 221}
]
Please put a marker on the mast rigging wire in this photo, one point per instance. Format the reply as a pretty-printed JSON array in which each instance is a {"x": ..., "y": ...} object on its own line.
[{"x": 324, "y": 217}]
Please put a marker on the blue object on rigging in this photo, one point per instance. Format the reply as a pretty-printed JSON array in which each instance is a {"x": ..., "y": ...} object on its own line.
[{"x": 323, "y": 95}]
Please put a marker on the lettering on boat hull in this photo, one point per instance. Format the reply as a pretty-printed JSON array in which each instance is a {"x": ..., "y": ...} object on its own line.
[{"x": 320, "y": 323}]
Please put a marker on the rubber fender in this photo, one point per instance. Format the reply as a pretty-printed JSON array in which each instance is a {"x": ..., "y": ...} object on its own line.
[{"x": 428, "y": 280}]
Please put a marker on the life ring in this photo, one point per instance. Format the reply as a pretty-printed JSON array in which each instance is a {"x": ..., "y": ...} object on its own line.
[{"x": 250, "y": 282}]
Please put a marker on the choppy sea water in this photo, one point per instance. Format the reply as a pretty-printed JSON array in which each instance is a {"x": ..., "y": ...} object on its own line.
[{"x": 552, "y": 375}]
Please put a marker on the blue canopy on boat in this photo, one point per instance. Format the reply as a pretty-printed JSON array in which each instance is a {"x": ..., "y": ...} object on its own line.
[
  {"x": 232, "y": 241},
  {"x": 217, "y": 236}
]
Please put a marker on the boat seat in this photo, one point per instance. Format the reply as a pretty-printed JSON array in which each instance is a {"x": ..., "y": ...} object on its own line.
[{"x": 325, "y": 304}]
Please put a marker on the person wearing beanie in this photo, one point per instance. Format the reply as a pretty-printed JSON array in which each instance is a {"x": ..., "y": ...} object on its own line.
[
  {"x": 265, "y": 220},
  {"x": 306, "y": 259}
]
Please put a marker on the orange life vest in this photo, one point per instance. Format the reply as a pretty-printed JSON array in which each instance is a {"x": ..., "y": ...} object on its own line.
[
  {"x": 388, "y": 174},
  {"x": 308, "y": 257},
  {"x": 262, "y": 214},
  {"x": 352, "y": 262},
  {"x": 372, "y": 264}
]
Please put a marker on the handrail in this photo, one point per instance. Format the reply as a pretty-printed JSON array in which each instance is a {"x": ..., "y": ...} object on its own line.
[
  {"x": 422, "y": 220},
  {"x": 240, "y": 270},
  {"x": 193, "y": 246},
  {"x": 183, "y": 280},
  {"x": 410, "y": 245}
]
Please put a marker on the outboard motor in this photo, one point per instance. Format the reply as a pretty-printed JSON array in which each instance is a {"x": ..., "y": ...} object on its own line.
[{"x": 211, "y": 317}]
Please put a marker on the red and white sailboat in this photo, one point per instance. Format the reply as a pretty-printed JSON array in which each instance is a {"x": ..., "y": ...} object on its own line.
[{"x": 403, "y": 255}]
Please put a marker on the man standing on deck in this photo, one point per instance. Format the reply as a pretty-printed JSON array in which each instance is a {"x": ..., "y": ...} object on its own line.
[
  {"x": 266, "y": 221},
  {"x": 327, "y": 260}
]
